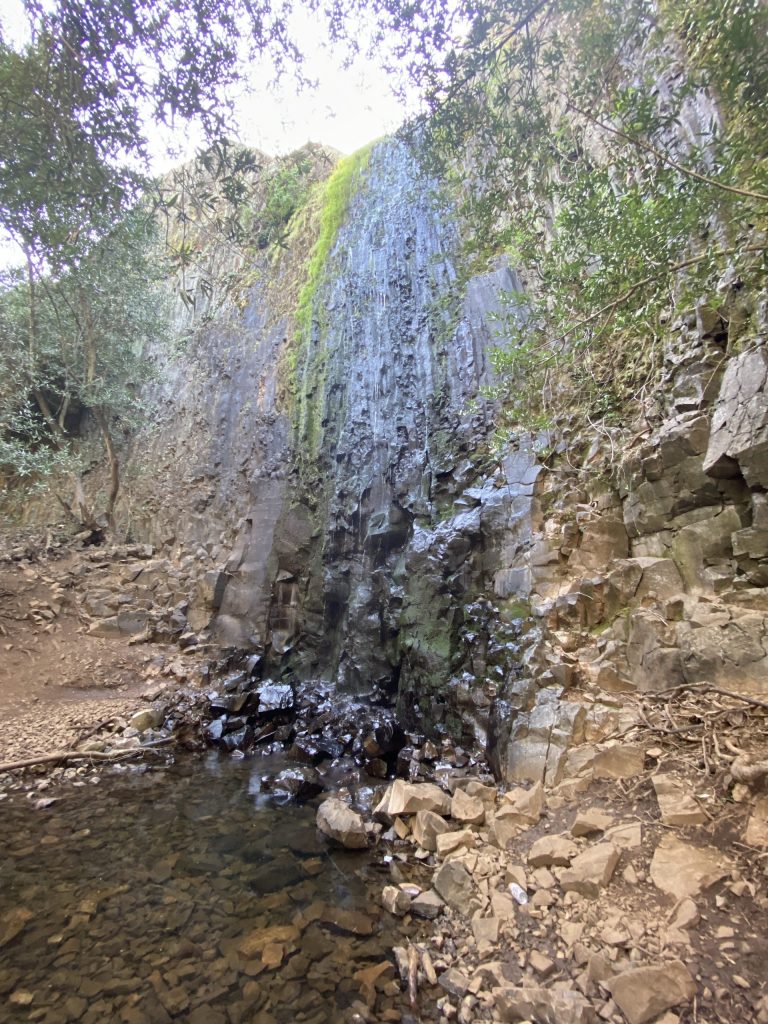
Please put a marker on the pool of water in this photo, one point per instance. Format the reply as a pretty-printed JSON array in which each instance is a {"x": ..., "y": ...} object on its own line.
[{"x": 182, "y": 894}]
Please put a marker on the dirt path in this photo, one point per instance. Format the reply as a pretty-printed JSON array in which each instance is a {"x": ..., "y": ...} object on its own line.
[{"x": 55, "y": 678}]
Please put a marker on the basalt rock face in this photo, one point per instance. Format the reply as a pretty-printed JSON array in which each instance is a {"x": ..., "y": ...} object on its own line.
[
  {"x": 356, "y": 528},
  {"x": 392, "y": 382},
  {"x": 333, "y": 488}
]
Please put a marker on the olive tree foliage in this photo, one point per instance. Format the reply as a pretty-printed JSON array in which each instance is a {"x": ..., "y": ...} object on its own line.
[{"x": 617, "y": 152}]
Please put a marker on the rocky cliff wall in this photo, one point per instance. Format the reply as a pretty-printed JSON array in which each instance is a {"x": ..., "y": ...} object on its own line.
[{"x": 339, "y": 508}]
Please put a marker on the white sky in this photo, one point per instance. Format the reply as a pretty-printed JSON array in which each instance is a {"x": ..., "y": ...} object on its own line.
[{"x": 349, "y": 108}]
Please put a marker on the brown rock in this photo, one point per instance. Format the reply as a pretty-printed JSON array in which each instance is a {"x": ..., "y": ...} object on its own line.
[
  {"x": 622, "y": 761},
  {"x": 428, "y": 905},
  {"x": 453, "y": 882},
  {"x": 542, "y": 1005},
  {"x": 395, "y": 900},
  {"x": 589, "y": 822},
  {"x": 258, "y": 940},
  {"x": 486, "y": 794},
  {"x": 757, "y": 827},
  {"x": 409, "y": 798},
  {"x": 677, "y": 807},
  {"x": 643, "y": 993},
  {"x": 486, "y": 929},
  {"x": 352, "y": 921},
  {"x": 467, "y": 808},
  {"x": 682, "y": 869},
  {"x": 541, "y": 964},
  {"x": 340, "y": 823},
  {"x": 12, "y": 923},
  {"x": 591, "y": 870},
  {"x": 372, "y": 978},
  {"x": 450, "y": 841},
  {"x": 426, "y": 827},
  {"x": 548, "y": 850},
  {"x": 523, "y": 806}
]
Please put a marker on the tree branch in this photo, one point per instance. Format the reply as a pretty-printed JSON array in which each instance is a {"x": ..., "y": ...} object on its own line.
[{"x": 660, "y": 155}]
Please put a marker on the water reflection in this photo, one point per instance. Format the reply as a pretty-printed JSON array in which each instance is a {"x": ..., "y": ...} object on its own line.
[{"x": 185, "y": 895}]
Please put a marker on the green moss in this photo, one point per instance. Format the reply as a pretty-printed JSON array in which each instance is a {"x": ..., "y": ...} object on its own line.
[{"x": 307, "y": 368}]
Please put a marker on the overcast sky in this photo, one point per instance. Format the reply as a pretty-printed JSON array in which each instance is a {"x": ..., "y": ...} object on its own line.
[{"x": 349, "y": 108}]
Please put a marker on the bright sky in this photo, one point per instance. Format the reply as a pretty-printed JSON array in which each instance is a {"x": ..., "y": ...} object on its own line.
[{"x": 350, "y": 107}]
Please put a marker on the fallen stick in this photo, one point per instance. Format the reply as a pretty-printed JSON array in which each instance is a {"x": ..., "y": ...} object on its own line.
[
  {"x": 708, "y": 688},
  {"x": 82, "y": 755}
]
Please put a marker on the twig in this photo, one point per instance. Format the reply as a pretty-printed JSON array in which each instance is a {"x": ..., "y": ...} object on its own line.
[
  {"x": 667, "y": 159},
  {"x": 709, "y": 688},
  {"x": 82, "y": 755}
]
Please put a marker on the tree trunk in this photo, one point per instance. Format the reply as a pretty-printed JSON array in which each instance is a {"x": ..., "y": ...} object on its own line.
[{"x": 114, "y": 465}]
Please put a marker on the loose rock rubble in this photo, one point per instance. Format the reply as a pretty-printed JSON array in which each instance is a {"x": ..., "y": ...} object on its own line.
[{"x": 609, "y": 897}]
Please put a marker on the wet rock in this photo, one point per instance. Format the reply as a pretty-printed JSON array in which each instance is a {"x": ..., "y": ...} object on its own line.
[
  {"x": 682, "y": 869},
  {"x": 677, "y": 807},
  {"x": 427, "y": 827},
  {"x": 354, "y": 922},
  {"x": 300, "y": 784},
  {"x": 454, "y": 884},
  {"x": 645, "y": 992},
  {"x": 258, "y": 940},
  {"x": 274, "y": 697},
  {"x": 340, "y": 823},
  {"x": 12, "y": 924}
]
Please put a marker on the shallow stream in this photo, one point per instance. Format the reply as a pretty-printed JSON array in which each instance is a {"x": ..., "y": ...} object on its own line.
[{"x": 132, "y": 900}]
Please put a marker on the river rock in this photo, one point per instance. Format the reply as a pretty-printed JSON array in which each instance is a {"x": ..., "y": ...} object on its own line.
[
  {"x": 258, "y": 940},
  {"x": 643, "y": 993},
  {"x": 12, "y": 922},
  {"x": 340, "y": 823},
  {"x": 452, "y": 881},
  {"x": 409, "y": 798},
  {"x": 427, "y": 827}
]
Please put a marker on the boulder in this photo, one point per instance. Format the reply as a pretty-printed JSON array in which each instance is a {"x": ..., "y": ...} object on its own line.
[
  {"x": 542, "y": 1005},
  {"x": 427, "y": 827},
  {"x": 738, "y": 442},
  {"x": 590, "y": 821},
  {"x": 409, "y": 798},
  {"x": 340, "y": 823},
  {"x": 550, "y": 850},
  {"x": 453, "y": 882},
  {"x": 591, "y": 870},
  {"x": 472, "y": 787},
  {"x": 467, "y": 808},
  {"x": 677, "y": 807},
  {"x": 643, "y": 993},
  {"x": 681, "y": 869}
]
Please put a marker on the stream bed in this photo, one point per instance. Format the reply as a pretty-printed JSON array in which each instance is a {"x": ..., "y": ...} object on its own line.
[{"x": 185, "y": 894}]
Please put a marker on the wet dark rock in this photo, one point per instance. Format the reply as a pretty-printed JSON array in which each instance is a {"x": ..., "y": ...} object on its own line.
[
  {"x": 300, "y": 784},
  {"x": 274, "y": 697}
]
